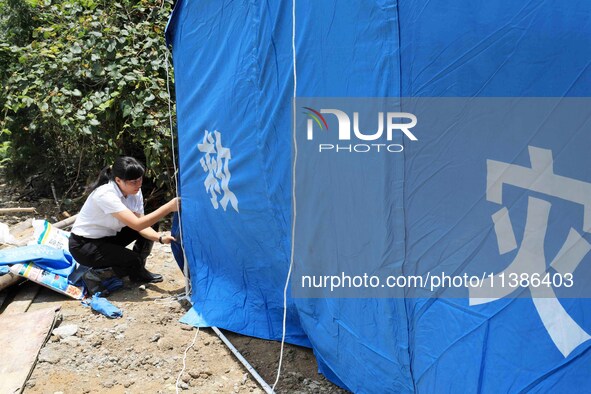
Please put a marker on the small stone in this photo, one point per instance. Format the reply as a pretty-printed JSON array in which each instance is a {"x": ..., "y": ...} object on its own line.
[
  {"x": 48, "y": 355},
  {"x": 109, "y": 383},
  {"x": 155, "y": 337},
  {"x": 142, "y": 287},
  {"x": 184, "y": 386},
  {"x": 185, "y": 303},
  {"x": 65, "y": 331},
  {"x": 186, "y": 327},
  {"x": 193, "y": 374},
  {"x": 31, "y": 383},
  {"x": 72, "y": 341}
]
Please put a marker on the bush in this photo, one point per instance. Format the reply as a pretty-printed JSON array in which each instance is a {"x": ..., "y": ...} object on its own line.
[{"x": 83, "y": 82}]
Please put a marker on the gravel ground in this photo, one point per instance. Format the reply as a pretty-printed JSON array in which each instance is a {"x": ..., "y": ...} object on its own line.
[{"x": 149, "y": 351}]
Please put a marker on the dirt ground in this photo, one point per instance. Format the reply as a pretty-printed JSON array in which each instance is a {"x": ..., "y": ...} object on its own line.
[{"x": 148, "y": 350}]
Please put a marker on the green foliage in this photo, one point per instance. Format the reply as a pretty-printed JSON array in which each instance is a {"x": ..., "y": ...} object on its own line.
[
  {"x": 83, "y": 82},
  {"x": 4, "y": 149}
]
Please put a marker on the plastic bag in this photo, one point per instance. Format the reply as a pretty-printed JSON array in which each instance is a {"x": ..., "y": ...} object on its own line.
[
  {"x": 46, "y": 234},
  {"x": 5, "y": 236},
  {"x": 47, "y": 279}
]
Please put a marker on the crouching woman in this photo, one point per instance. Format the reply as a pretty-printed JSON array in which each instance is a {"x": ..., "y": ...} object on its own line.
[{"x": 113, "y": 217}]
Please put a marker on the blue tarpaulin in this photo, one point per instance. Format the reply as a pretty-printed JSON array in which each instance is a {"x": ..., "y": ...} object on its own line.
[
  {"x": 432, "y": 205},
  {"x": 57, "y": 261}
]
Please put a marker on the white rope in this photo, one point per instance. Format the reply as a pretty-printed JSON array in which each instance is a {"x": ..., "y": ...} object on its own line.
[
  {"x": 293, "y": 196},
  {"x": 184, "y": 361},
  {"x": 186, "y": 262}
]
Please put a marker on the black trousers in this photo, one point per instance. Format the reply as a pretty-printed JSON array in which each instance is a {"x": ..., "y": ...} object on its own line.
[{"x": 112, "y": 252}]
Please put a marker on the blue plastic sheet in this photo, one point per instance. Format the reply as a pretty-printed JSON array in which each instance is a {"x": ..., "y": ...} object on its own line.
[
  {"x": 57, "y": 261},
  {"x": 103, "y": 306}
]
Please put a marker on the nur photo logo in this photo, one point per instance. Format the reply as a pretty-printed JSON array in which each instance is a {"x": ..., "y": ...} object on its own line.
[{"x": 388, "y": 123}]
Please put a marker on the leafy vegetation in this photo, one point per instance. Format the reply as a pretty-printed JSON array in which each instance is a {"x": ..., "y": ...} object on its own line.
[{"x": 83, "y": 82}]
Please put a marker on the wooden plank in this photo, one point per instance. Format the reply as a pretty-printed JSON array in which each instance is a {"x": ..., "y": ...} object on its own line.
[
  {"x": 24, "y": 237},
  {"x": 21, "y": 338},
  {"x": 23, "y": 299},
  {"x": 17, "y": 210},
  {"x": 22, "y": 232},
  {"x": 8, "y": 280},
  {"x": 21, "y": 226},
  {"x": 66, "y": 222}
]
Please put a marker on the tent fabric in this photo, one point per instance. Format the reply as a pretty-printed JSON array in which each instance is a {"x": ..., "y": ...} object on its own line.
[
  {"x": 234, "y": 76},
  {"x": 235, "y": 104}
]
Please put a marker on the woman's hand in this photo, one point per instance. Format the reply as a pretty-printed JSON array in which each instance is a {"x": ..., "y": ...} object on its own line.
[
  {"x": 139, "y": 223},
  {"x": 167, "y": 239}
]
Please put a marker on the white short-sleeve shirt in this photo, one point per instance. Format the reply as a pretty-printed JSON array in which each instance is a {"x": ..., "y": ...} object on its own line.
[{"x": 95, "y": 220}]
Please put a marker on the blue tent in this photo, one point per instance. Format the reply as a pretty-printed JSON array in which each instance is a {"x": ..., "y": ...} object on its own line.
[{"x": 442, "y": 203}]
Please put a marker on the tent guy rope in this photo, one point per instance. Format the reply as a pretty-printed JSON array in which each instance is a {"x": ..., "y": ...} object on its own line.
[{"x": 295, "y": 147}]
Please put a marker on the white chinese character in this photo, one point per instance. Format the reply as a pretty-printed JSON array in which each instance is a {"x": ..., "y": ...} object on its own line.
[
  {"x": 216, "y": 164},
  {"x": 530, "y": 259}
]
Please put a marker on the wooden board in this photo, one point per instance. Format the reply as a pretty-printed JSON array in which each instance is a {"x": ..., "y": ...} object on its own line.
[
  {"x": 23, "y": 299},
  {"x": 8, "y": 280},
  {"x": 22, "y": 232},
  {"x": 21, "y": 226},
  {"x": 23, "y": 237},
  {"x": 21, "y": 338}
]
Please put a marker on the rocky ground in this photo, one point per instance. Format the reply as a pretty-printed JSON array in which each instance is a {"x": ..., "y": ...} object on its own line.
[{"x": 149, "y": 351}]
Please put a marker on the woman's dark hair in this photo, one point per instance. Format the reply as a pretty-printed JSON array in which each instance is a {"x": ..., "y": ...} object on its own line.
[{"x": 124, "y": 167}]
